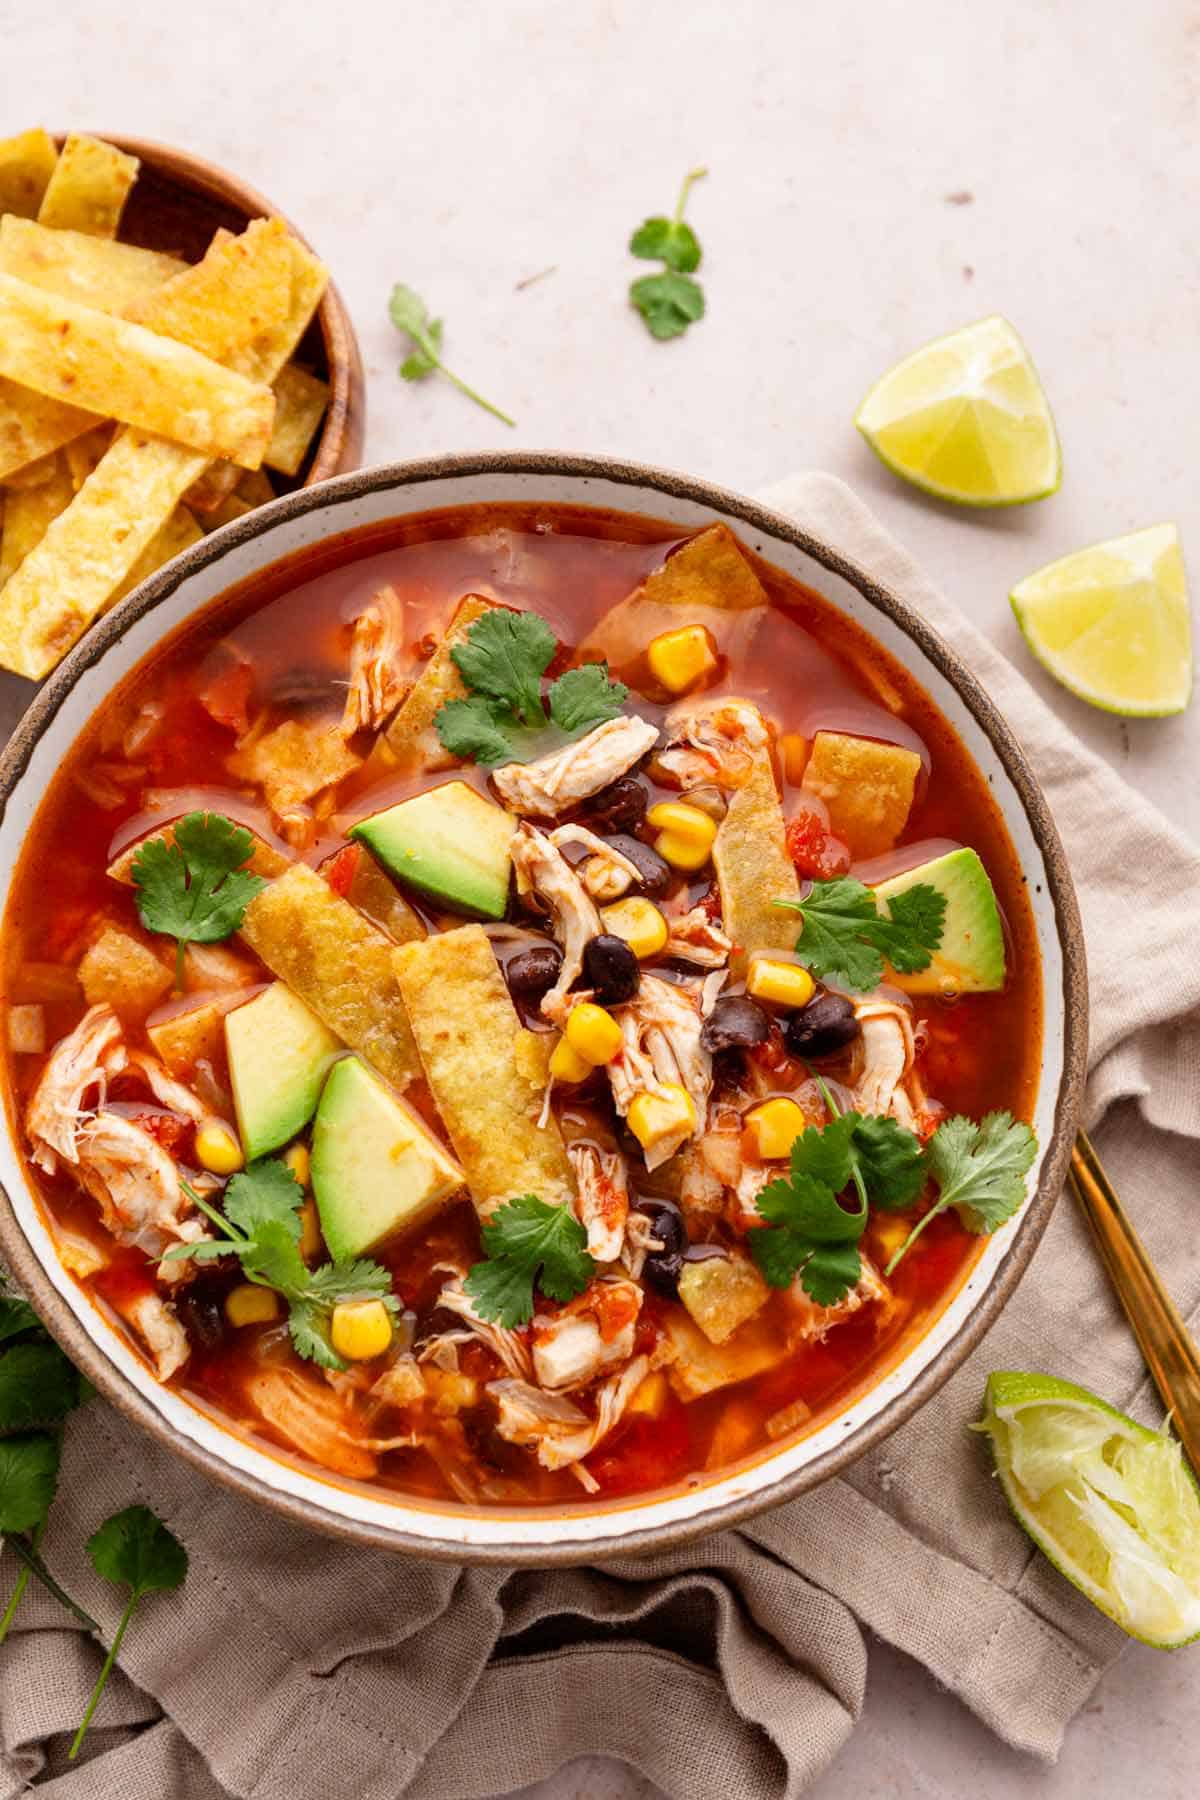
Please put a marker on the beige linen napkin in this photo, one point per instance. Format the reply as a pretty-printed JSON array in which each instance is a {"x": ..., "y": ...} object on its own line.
[{"x": 290, "y": 1667}]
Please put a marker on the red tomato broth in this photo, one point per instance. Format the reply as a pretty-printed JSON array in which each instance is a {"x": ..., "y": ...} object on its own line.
[{"x": 571, "y": 565}]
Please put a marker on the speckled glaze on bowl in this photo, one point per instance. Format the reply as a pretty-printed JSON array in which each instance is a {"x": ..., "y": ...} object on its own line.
[{"x": 587, "y": 1532}]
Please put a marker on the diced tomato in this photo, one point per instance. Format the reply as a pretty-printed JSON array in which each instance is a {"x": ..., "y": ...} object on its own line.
[
  {"x": 817, "y": 854},
  {"x": 167, "y": 1129},
  {"x": 339, "y": 870},
  {"x": 226, "y": 696},
  {"x": 645, "y": 1453}
]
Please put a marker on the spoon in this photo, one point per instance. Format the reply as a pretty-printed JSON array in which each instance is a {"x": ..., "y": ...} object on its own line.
[{"x": 1170, "y": 1353}]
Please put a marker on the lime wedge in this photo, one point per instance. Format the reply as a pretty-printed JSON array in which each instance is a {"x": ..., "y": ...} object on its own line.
[
  {"x": 966, "y": 419},
  {"x": 1112, "y": 623},
  {"x": 1114, "y": 1506}
]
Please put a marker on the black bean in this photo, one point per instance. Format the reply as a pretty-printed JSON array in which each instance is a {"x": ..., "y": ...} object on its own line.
[
  {"x": 621, "y": 806},
  {"x": 822, "y": 1028},
  {"x": 203, "y": 1319},
  {"x": 611, "y": 968},
  {"x": 735, "y": 1023},
  {"x": 662, "y": 1268},
  {"x": 532, "y": 973},
  {"x": 654, "y": 875}
]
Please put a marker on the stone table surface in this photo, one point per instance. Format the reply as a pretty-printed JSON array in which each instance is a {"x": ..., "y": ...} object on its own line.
[{"x": 879, "y": 174}]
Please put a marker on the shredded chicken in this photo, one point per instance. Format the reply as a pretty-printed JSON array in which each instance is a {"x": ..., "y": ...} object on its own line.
[
  {"x": 711, "y": 744},
  {"x": 552, "y": 783},
  {"x": 661, "y": 1027},
  {"x": 154, "y": 1320},
  {"x": 810, "y": 1322},
  {"x": 591, "y": 1335},
  {"x": 602, "y": 1198},
  {"x": 558, "y": 1429},
  {"x": 751, "y": 1181},
  {"x": 136, "y": 1186},
  {"x": 83, "y": 1061},
  {"x": 888, "y": 1052},
  {"x": 509, "y": 1347},
  {"x": 376, "y": 688},
  {"x": 695, "y": 939},
  {"x": 606, "y": 873},
  {"x": 543, "y": 870}
]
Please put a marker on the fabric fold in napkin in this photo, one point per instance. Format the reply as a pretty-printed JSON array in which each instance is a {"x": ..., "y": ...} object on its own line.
[{"x": 290, "y": 1667}]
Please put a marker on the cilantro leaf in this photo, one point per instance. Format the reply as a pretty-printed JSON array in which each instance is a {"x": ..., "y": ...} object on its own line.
[
  {"x": 813, "y": 1234},
  {"x": 469, "y": 728},
  {"x": 668, "y": 303},
  {"x": 38, "y": 1386},
  {"x": 669, "y": 241},
  {"x": 504, "y": 656},
  {"x": 585, "y": 697},
  {"x": 846, "y": 937},
  {"x": 980, "y": 1170},
  {"x": 890, "y": 1161},
  {"x": 528, "y": 1241},
  {"x": 28, "y": 1474},
  {"x": 831, "y": 1272},
  {"x": 409, "y": 314},
  {"x": 196, "y": 889},
  {"x": 133, "y": 1549},
  {"x": 266, "y": 1192}
]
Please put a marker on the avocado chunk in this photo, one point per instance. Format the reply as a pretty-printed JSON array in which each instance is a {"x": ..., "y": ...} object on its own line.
[
  {"x": 376, "y": 1168},
  {"x": 279, "y": 1053},
  {"x": 449, "y": 843},
  {"x": 970, "y": 958}
]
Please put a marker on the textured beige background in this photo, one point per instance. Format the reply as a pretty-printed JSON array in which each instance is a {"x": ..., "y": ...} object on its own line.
[{"x": 880, "y": 174}]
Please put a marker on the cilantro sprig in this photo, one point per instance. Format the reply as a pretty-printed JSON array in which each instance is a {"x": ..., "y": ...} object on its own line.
[
  {"x": 195, "y": 889},
  {"x": 502, "y": 661},
  {"x": 528, "y": 1242},
  {"x": 846, "y": 936},
  {"x": 980, "y": 1170},
  {"x": 133, "y": 1549},
  {"x": 671, "y": 301},
  {"x": 409, "y": 313},
  {"x": 261, "y": 1226}
]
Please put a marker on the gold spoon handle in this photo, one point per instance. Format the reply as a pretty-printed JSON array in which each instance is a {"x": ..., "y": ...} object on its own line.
[{"x": 1171, "y": 1356}]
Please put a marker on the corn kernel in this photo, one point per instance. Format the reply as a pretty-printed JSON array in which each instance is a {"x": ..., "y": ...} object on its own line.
[
  {"x": 299, "y": 1162},
  {"x": 593, "y": 1034},
  {"x": 217, "y": 1150},
  {"x": 680, "y": 852},
  {"x": 360, "y": 1329},
  {"x": 567, "y": 1065},
  {"x": 250, "y": 1304},
  {"x": 650, "y": 1398},
  {"x": 793, "y": 754},
  {"x": 450, "y": 1391},
  {"x": 774, "y": 1126},
  {"x": 310, "y": 1231},
  {"x": 639, "y": 922},
  {"x": 686, "y": 834},
  {"x": 889, "y": 1234},
  {"x": 679, "y": 659},
  {"x": 653, "y": 1118},
  {"x": 785, "y": 983}
]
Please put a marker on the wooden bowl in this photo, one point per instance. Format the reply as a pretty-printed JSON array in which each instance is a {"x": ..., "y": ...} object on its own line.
[{"x": 178, "y": 201}]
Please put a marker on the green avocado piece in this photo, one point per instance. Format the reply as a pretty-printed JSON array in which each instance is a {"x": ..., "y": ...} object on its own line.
[
  {"x": 279, "y": 1053},
  {"x": 376, "y": 1168},
  {"x": 970, "y": 958},
  {"x": 449, "y": 843}
]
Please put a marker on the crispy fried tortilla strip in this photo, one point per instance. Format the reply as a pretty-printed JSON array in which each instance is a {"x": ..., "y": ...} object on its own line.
[
  {"x": 255, "y": 487},
  {"x": 181, "y": 530},
  {"x": 89, "y": 187},
  {"x": 240, "y": 292},
  {"x": 294, "y": 762},
  {"x": 472, "y": 1047},
  {"x": 233, "y": 507},
  {"x": 88, "y": 552},
  {"x": 95, "y": 271},
  {"x": 338, "y": 964},
  {"x": 710, "y": 577},
  {"x": 264, "y": 858},
  {"x": 754, "y": 869},
  {"x": 26, "y": 165},
  {"x": 411, "y": 739},
  {"x": 33, "y": 427},
  {"x": 123, "y": 371},
  {"x": 188, "y": 1037},
  {"x": 82, "y": 455},
  {"x": 868, "y": 788},
  {"x": 300, "y": 402},
  {"x": 29, "y": 515}
]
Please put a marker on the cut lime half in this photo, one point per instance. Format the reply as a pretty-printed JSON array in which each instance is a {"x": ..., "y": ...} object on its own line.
[
  {"x": 1114, "y": 1506},
  {"x": 966, "y": 419},
  {"x": 1112, "y": 623}
]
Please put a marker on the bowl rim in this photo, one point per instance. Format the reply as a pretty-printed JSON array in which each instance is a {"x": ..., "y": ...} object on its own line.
[
  {"x": 328, "y": 496},
  {"x": 340, "y": 440}
]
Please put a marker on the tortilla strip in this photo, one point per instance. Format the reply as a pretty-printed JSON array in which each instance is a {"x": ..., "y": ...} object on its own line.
[
  {"x": 83, "y": 455},
  {"x": 29, "y": 515},
  {"x": 33, "y": 427},
  {"x": 244, "y": 294},
  {"x": 89, "y": 187},
  {"x": 867, "y": 787},
  {"x": 412, "y": 737},
  {"x": 186, "y": 1037},
  {"x": 255, "y": 487},
  {"x": 709, "y": 575},
  {"x": 754, "y": 869},
  {"x": 264, "y": 858},
  {"x": 180, "y": 532},
  {"x": 470, "y": 1040},
  {"x": 92, "y": 270},
  {"x": 123, "y": 371},
  {"x": 26, "y": 164},
  {"x": 338, "y": 964},
  {"x": 300, "y": 402}
]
